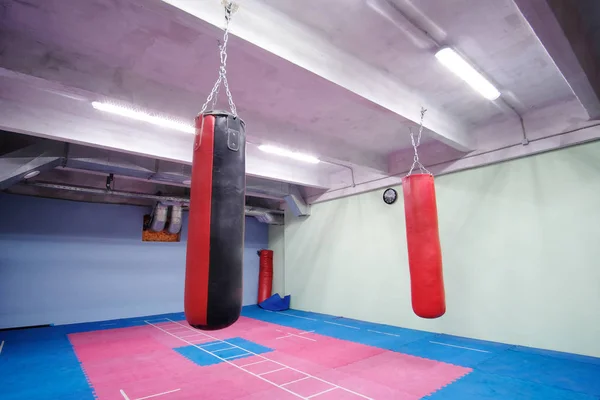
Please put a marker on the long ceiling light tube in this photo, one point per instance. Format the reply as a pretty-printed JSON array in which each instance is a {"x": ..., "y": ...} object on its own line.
[
  {"x": 143, "y": 116},
  {"x": 289, "y": 154},
  {"x": 446, "y": 55},
  {"x": 455, "y": 63}
]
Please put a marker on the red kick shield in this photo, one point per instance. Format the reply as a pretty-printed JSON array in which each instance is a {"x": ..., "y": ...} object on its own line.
[
  {"x": 215, "y": 246},
  {"x": 424, "y": 250}
]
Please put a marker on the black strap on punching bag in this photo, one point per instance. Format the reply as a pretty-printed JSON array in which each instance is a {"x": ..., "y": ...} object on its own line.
[{"x": 215, "y": 247}]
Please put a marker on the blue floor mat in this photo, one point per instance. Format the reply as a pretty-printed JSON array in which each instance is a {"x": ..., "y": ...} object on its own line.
[
  {"x": 440, "y": 349},
  {"x": 479, "y": 385},
  {"x": 501, "y": 371},
  {"x": 41, "y": 364},
  {"x": 204, "y": 354},
  {"x": 564, "y": 374}
]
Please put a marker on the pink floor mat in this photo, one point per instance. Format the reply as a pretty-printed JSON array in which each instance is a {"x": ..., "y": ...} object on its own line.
[{"x": 141, "y": 363}]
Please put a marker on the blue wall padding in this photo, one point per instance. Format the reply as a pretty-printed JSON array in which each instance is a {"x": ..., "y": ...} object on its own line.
[
  {"x": 276, "y": 303},
  {"x": 222, "y": 350}
]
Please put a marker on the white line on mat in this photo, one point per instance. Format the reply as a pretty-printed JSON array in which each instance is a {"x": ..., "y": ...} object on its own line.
[
  {"x": 124, "y": 395},
  {"x": 1, "y": 346},
  {"x": 295, "y": 316},
  {"x": 283, "y": 337},
  {"x": 259, "y": 356},
  {"x": 252, "y": 363},
  {"x": 158, "y": 394},
  {"x": 235, "y": 356},
  {"x": 295, "y": 380},
  {"x": 383, "y": 333},
  {"x": 289, "y": 334},
  {"x": 270, "y": 372},
  {"x": 320, "y": 393},
  {"x": 459, "y": 347},
  {"x": 346, "y": 326},
  {"x": 231, "y": 363}
]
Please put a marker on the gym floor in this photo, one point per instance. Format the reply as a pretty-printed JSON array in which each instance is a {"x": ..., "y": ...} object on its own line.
[{"x": 279, "y": 355}]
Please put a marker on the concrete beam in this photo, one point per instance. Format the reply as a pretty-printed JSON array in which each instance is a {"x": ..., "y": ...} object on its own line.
[
  {"x": 557, "y": 25},
  {"x": 281, "y": 35},
  {"x": 40, "y": 157},
  {"x": 296, "y": 204},
  {"x": 37, "y": 107},
  {"x": 109, "y": 162},
  {"x": 268, "y": 189},
  {"x": 546, "y": 129},
  {"x": 89, "y": 79}
]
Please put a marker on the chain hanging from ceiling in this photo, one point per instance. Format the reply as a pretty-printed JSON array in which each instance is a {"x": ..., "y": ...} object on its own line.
[
  {"x": 415, "y": 144},
  {"x": 230, "y": 9}
]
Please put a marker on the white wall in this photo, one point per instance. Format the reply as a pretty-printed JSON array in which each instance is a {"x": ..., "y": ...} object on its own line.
[{"x": 521, "y": 250}]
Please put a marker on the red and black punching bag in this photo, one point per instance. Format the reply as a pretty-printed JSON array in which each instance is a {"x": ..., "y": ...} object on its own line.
[
  {"x": 424, "y": 250},
  {"x": 215, "y": 246},
  {"x": 265, "y": 275}
]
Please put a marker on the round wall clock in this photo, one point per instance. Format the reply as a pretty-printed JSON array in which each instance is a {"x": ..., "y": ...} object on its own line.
[{"x": 390, "y": 196}]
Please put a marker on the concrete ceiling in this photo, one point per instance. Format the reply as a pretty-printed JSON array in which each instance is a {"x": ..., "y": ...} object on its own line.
[
  {"x": 342, "y": 82},
  {"x": 492, "y": 33}
]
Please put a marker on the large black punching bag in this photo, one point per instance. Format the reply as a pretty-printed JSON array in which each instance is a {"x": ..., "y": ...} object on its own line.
[{"x": 215, "y": 246}]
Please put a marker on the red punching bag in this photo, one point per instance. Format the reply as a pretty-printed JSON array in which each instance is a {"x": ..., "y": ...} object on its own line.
[
  {"x": 215, "y": 246},
  {"x": 424, "y": 250},
  {"x": 265, "y": 275}
]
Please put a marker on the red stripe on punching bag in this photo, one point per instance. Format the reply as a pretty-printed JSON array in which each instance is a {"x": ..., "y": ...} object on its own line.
[
  {"x": 424, "y": 250},
  {"x": 265, "y": 277},
  {"x": 198, "y": 244}
]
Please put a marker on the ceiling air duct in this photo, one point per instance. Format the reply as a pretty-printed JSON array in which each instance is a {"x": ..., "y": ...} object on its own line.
[
  {"x": 264, "y": 215},
  {"x": 159, "y": 218},
  {"x": 175, "y": 220}
]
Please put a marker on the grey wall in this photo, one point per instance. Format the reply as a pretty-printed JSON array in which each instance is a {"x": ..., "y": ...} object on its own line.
[{"x": 65, "y": 262}]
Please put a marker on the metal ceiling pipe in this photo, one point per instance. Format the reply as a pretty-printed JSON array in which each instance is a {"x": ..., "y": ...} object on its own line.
[{"x": 166, "y": 200}]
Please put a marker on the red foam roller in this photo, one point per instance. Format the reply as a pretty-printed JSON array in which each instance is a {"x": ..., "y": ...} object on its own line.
[
  {"x": 265, "y": 275},
  {"x": 424, "y": 250}
]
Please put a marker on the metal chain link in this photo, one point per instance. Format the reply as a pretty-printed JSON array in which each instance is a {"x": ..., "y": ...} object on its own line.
[
  {"x": 416, "y": 144},
  {"x": 230, "y": 8}
]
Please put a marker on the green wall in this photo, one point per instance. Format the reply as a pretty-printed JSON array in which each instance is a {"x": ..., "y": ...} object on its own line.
[{"x": 521, "y": 251}]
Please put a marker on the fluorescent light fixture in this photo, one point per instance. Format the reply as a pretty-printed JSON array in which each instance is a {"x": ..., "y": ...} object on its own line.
[
  {"x": 455, "y": 63},
  {"x": 31, "y": 174},
  {"x": 289, "y": 154},
  {"x": 142, "y": 116}
]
